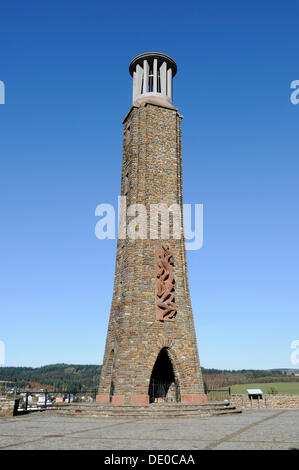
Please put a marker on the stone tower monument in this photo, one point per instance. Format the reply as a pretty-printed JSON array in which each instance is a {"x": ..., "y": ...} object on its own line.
[{"x": 151, "y": 351}]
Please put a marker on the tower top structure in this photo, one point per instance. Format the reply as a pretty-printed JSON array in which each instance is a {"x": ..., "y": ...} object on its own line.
[{"x": 152, "y": 74}]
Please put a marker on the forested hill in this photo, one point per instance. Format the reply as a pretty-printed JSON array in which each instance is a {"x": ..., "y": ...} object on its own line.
[
  {"x": 74, "y": 377},
  {"x": 59, "y": 376}
]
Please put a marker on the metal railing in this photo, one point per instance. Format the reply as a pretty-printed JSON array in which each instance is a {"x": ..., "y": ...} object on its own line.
[
  {"x": 44, "y": 399},
  {"x": 218, "y": 394},
  {"x": 159, "y": 391}
]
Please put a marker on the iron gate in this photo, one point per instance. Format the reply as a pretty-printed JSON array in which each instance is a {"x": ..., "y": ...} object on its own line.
[{"x": 159, "y": 391}]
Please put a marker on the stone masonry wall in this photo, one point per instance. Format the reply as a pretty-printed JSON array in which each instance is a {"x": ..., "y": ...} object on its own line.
[
  {"x": 7, "y": 408},
  {"x": 268, "y": 401},
  {"x": 151, "y": 173}
]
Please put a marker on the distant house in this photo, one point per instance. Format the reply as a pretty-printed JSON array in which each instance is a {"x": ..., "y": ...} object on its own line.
[
  {"x": 59, "y": 399},
  {"x": 41, "y": 400}
]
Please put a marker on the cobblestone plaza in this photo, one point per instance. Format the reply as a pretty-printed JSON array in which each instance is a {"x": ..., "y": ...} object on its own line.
[{"x": 252, "y": 430}]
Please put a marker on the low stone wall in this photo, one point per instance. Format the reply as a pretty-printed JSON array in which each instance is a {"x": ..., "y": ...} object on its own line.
[
  {"x": 268, "y": 401},
  {"x": 8, "y": 408}
]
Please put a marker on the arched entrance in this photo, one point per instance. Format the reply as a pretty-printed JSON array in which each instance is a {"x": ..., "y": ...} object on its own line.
[{"x": 163, "y": 385}]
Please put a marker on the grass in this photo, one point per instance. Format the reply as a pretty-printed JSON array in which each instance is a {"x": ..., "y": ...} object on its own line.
[{"x": 287, "y": 388}]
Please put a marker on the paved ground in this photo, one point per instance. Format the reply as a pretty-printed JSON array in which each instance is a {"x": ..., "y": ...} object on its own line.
[{"x": 258, "y": 429}]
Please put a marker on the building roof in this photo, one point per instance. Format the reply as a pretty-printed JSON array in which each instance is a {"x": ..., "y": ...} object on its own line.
[{"x": 153, "y": 55}]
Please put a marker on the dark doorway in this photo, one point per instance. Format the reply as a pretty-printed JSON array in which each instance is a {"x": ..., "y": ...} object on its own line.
[
  {"x": 110, "y": 374},
  {"x": 163, "y": 386},
  {"x": 111, "y": 391}
]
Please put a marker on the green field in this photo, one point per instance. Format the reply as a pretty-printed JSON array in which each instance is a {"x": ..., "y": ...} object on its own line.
[{"x": 291, "y": 388}]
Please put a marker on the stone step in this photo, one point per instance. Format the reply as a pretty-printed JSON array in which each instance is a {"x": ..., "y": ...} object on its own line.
[
  {"x": 154, "y": 406},
  {"x": 143, "y": 412},
  {"x": 151, "y": 411},
  {"x": 154, "y": 415},
  {"x": 117, "y": 412}
]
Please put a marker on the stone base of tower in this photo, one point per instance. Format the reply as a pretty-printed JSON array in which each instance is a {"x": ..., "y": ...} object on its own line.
[
  {"x": 136, "y": 399},
  {"x": 194, "y": 398},
  {"x": 104, "y": 399},
  {"x": 140, "y": 399},
  {"x": 143, "y": 399},
  {"x": 115, "y": 400}
]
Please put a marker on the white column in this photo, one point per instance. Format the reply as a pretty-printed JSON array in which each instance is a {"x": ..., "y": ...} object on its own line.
[
  {"x": 134, "y": 85},
  {"x": 163, "y": 78},
  {"x": 145, "y": 77},
  {"x": 169, "y": 83},
  {"x": 139, "y": 72},
  {"x": 155, "y": 71}
]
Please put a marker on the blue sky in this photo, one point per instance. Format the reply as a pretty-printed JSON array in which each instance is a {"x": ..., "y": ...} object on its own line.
[{"x": 65, "y": 67}]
